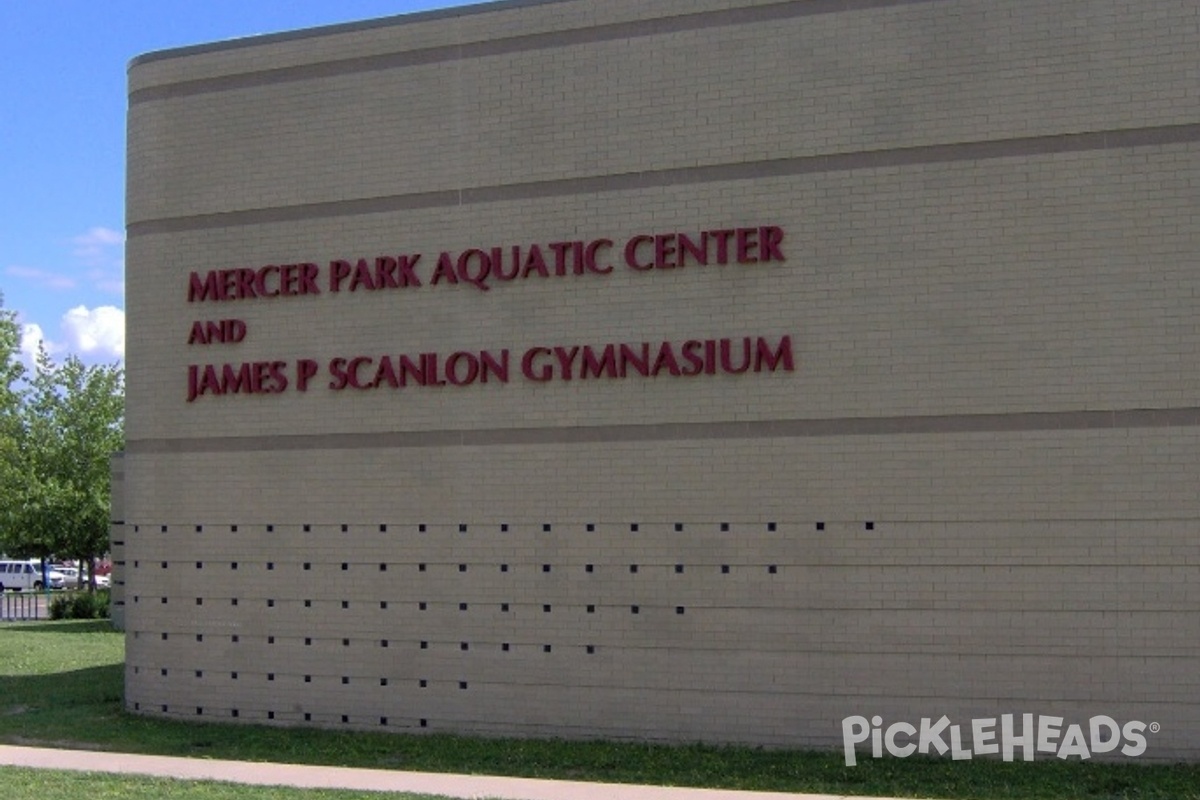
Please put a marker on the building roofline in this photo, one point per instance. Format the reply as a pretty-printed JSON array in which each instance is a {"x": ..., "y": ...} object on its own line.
[{"x": 340, "y": 27}]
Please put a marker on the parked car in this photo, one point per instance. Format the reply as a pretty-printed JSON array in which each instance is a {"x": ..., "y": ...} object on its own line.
[
  {"x": 75, "y": 578},
  {"x": 27, "y": 574},
  {"x": 70, "y": 575}
]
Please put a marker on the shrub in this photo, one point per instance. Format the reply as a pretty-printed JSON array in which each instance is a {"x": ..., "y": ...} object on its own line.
[{"x": 80, "y": 605}]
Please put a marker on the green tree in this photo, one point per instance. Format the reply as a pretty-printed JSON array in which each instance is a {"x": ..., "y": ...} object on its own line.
[
  {"x": 70, "y": 422},
  {"x": 12, "y": 374}
]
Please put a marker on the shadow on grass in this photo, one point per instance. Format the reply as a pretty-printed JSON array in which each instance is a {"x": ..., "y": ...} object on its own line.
[{"x": 54, "y": 691}]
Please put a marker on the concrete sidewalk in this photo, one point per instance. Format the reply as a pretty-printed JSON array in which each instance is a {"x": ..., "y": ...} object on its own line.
[{"x": 373, "y": 780}]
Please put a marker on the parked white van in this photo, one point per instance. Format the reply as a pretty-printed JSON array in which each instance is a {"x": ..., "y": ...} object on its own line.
[{"x": 20, "y": 575}]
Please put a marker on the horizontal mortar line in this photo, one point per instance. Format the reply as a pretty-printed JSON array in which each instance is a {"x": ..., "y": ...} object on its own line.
[
  {"x": 623, "y": 610},
  {"x": 693, "y": 568},
  {"x": 494, "y": 649},
  {"x": 460, "y": 51},
  {"x": 1029, "y": 652},
  {"x": 617, "y": 684},
  {"x": 288, "y": 677},
  {"x": 476, "y": 526},
  {"x": 1020, "y": 422},
  {"x": 681, "y": 176},
  {"x": 766, "y": 690},
  {"x": 488, "y": 610},
  {"x": 154, "y": 616},
  {"x": 517, "y": 568},
  {"x": 894, "y": 606}
]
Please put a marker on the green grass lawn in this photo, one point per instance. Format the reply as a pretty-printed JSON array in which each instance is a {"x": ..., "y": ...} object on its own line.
[
  {"x": 61, "y": 685},
  {"x": 48, "y": 784}
]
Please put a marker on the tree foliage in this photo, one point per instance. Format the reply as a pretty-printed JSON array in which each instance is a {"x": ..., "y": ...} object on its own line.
[
  {"x": 12, "y": 373},
  {"x": 60, "y": 426}
]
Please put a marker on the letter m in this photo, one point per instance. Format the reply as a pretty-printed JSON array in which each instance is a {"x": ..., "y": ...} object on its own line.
[
  {"x": 235, "y": 381},
  {"x": 783, "y": 355},
  {"x": 206, "y": 290},
  {"x": 605, "y": 366}
]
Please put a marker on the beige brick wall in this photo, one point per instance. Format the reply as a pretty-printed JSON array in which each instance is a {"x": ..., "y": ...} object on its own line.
[
  {"x": 974, "y": 495},
  {"x": 116, "y": 538}
]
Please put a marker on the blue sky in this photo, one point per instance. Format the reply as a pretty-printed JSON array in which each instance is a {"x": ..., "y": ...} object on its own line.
[{"x": 62, "y": 144}]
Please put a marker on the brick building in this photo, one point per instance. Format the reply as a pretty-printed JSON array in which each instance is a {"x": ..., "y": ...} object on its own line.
[{"x": 678, "y": 370}]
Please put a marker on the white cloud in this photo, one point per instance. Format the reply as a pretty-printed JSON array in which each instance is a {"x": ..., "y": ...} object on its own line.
[
  {"x": 97, "y": 245},
  {"x": 50, "y": 280},
  {"x": 99, "y": 331},
  {"x": 103, "y": 250},
  {"x": 102, "y": 235},
  {"x": 31, "y": 336},
  {"x": 110, "y": 281}
]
